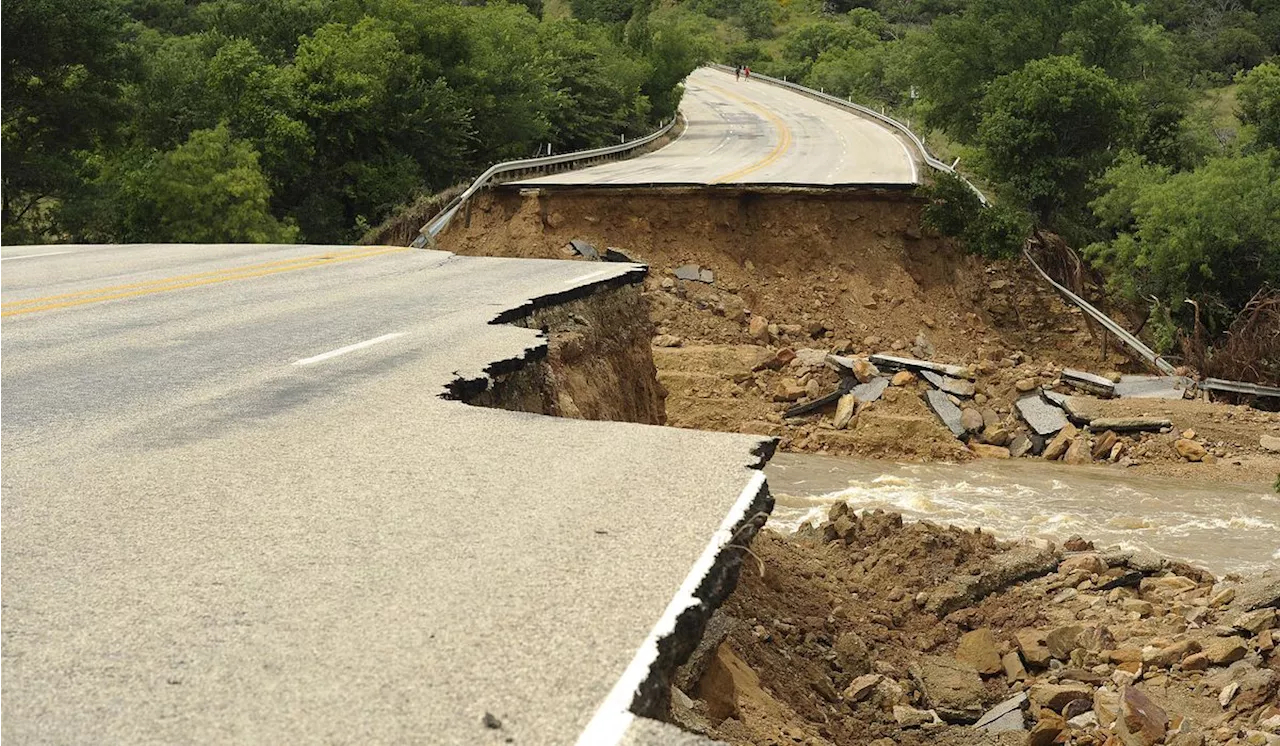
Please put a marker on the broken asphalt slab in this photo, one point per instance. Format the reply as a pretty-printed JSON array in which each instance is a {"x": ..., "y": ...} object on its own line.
[
  {"x": 1044, "y": 418},
  {"x": 893, "y": 362},
  {"x": 946, "y": 411},
  {"x": 957, "y": 386}
]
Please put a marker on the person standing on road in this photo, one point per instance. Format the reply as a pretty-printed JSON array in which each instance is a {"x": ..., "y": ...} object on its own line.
[
  {"x": 737, "y": 73},
  {"x": 746, "y": 72}
]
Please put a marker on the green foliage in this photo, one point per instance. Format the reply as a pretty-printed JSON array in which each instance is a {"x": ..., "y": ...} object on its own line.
[
  {"x": 62, "y": 62},
  {"x": 995, "y": 231},
  {"x": 1049, "y": 128},
  {"x": 1259, "y": 97},
  {"x": 208, "y": 189},
  {"x": 1211, "y": 235}
]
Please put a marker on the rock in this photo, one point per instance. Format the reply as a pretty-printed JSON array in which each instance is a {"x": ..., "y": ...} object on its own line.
[
  {"x": 1228, "y": 693},
  {"x": 809, "y": 358},
  {"x": 1060, "y": 443},
  {"x": 1005, "y": 716},
  {"x": 815, "y": 329},
  {"x": 1266, "y": 641},
  {"x": 946, "y": 411},
  {"x": 957, "y": 386},
  {"x": 1259, "y": 592},
  {"x": 1223, "y": 597},
  {"x": 1269, "y": 443},
  {"x": 1085, "y": 721},
  {"x": 864, "y": 371},
  {"x": 1137, "y": 606},
  {"x": 978, "y": 649},
  {"x": 667, "y": 340},
  {"x": 689, "y": 272},
  {"x": 1106, "y": 705},
  {"x": 1019, "y": 446},
  {"x": 1140, "y": 722},
  {"x": 788, "y": 390},
  {"x": 1102, "y": 448},
  {"x": 1078, "y": 707},
  {"x": 1057, "y": 696},
  {"x": 1013, "y": 668},
  {"x": 996, "y": 436},
  {"x": 1170, "y": 654},
  {"x": 852, "y": 654},
  {"x": 1035, "y": 649},
  {"x": 1195, "y": 662},
  {"x": 1254, "y": 622},
  {"x": 902, "y": 378},
  {"x": 982, "y": 450},
  {"x": 1189, "y": 449},
  {"x": 825, "y": 689},
  {"x": 845, "y": 408},
  {"x": 491, "y": 721},
  {"x": 1062, "y": 640},
  {"x": 1024, "y": 385},
  {"x": 1077, "y": 544},
  {"x": 970, "y": 420},
  {"x": 1223, "y": 650},
  {"x": 1079, "y": 452},
  {"x": 1046, "y": 730},
  {"x": 1089, "y": 563},
  {"x": 758, "y": 328},
  {"x": 910, "y": 717},
  {"x": 861, "y": 687},
  {"x": 950, "y": 687}
]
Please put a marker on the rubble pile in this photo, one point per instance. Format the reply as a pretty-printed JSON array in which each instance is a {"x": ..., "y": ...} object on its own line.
[{"x": 867, "y": 628}]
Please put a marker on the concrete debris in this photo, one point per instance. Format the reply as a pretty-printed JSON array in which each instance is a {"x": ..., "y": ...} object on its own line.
[
  {"x": 871, "y": 390},
  {"x": 1088, "y": 382},
  {"x": 957, "y": 386},
  {"x": 1044, "y": 418},
  {"x": 1005, "y": 716},
  {"x": 694, "y": 273},
  {"x": 584, "y": 249},
  {"x": 1129, "y": 424},
  {"x": 1152, "y": 387},
  {"x": 946, "y": 411},
  {"x": 899, "y": 363}
]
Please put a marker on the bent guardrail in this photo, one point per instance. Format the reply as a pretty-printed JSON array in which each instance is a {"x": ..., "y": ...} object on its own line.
[{"x": 433, "y": 227}]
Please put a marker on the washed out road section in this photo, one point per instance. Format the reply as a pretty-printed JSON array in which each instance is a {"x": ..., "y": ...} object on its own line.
[
  {"x": 751, "y": 132},
  {"x": 206, "y": 542}
]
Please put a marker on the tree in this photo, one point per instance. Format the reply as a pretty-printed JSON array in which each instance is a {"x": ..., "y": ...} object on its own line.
[
  {"x": 210, "y": 189},
  {"x": 1048, "y": 129},
  {"x": 1211, "y": 235},
  {"x": 1259, "y": 97},
  {"x": 63, "y": 63}
]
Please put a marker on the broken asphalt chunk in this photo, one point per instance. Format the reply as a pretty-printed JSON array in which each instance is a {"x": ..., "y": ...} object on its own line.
[
  {"x": 1044, "y": 418},
  {"x": 946, "y": 411},
  {"x": 584, "y": 249},
  {"x": 957, "y": 386},
  {"x": 906, "y": 363},
  {"x": 1089, "y": 382}
]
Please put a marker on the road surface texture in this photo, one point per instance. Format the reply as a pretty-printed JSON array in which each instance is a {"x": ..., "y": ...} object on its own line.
[
  {"x": 750, "y": 132},
  {"x": 236, "y": 509}
]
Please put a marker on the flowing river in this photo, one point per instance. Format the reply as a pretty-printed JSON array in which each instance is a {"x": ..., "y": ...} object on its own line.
[{"x": 1225, "y": 528}]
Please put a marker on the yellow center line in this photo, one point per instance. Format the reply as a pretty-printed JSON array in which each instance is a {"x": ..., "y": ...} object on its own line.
[
  {"x": 70, "y": 300},
  {"x": 784, "y": 139},
  {"x": 199, "y": 275}
]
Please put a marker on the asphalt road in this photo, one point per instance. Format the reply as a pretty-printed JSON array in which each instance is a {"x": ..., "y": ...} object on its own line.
[
  {"x": 235, "y": 508},
  {"x": 750, "y": 132}
]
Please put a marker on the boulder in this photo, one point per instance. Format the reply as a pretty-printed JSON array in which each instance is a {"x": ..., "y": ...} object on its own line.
[
  {"x": 982, "y": 450},
  {"x": 1079, "y": 451},
  {"x": 996, "y": 435},
  {"x": 1088, "y": 563},
  {"x": 845, "y": 409},
  {"x": 864, "y": 371},
  {"x": 1046, "y": 730},
  {"x": 1019, "y": 446},
  {"x": 1034, "y": 647},
  {"x": 1254, "y": 622},
  {"x": 1189, "y": 449},
  {"x": 1102, "y": 448},
  {"x": 1106, "y": 705},
  {"x": 758, "y": 328},
  {"x": 902, "y": 378},
  {"x": 1223, "y": 650},
  {"x": 910, "y": 717},
  {"x": 1165, "y": 657},
  {"x": 978, "y": 649},
  {"x": 1062, "y": 640},
  {"x": 1013, "y": 668},
  {"x": 861, "y": 687},
  {"x": 1057, "y": 696},
  {"x": 1140, "y": 722},
  {"x": 971, "y": 420},
  {"x": 1060, "y": 443},
  {"x": 953, "y": 689},
  {"x": 788, "y": 390}
]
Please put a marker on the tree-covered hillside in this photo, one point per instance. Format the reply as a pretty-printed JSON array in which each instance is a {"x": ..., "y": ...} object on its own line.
[{"x": 283, "y": 120}]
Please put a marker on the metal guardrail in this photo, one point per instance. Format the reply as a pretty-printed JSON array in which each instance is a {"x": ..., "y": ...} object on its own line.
[
  {"x": 928, "y": 158},
  {"x": 1105, "y": 321},
  {"x": 441, "y": 220}
]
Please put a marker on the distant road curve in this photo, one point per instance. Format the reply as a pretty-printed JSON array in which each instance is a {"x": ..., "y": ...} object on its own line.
[{"x": 750, "y": 132}]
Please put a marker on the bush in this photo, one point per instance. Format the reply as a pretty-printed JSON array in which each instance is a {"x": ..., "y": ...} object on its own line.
[{"x": 993, "y": 231}]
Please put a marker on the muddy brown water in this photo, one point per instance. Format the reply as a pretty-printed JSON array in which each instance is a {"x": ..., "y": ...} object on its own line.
[{"x": 1225, "y": 528}]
